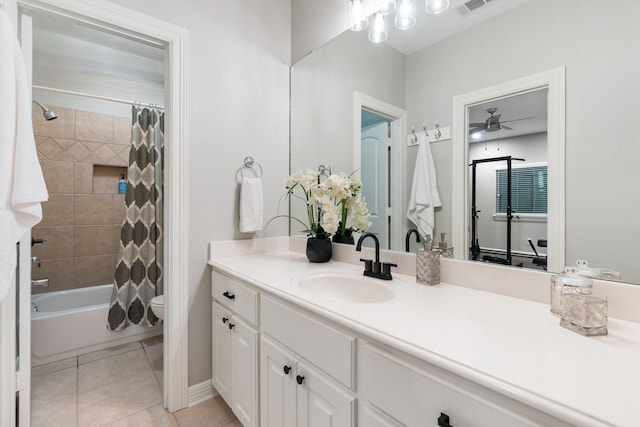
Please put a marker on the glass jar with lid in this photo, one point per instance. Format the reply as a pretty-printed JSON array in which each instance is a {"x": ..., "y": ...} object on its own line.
[{"x": 568, "y": 283}]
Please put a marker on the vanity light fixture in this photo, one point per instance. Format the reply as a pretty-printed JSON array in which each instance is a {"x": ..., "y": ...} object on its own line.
[
  {"x": 436, "y": 6},
  {"x": 405, "y": 17},
  {"x": 387, "y": 7},
  {"x": 358, "y": 19},
  {"x": 379, "y": 29}
]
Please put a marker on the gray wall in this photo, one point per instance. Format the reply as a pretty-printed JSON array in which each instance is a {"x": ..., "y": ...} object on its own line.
[
  {"x": 314, "y": 23},
  {"x": 601, "y": 56},
  {"x": 239, "y": 55}
]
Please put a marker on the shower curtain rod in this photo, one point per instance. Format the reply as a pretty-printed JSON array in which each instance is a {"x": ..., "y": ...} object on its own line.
[{"x": 104, "y": 98}]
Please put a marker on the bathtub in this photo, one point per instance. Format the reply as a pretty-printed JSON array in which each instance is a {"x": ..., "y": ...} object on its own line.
[{"x": 74, "y": 322}]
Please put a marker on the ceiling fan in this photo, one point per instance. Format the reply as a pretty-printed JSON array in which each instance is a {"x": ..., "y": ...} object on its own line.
[{"x": 493, "y": 123}]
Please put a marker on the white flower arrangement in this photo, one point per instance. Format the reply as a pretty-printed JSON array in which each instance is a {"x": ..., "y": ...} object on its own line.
[{"x": 334, "y": 206}]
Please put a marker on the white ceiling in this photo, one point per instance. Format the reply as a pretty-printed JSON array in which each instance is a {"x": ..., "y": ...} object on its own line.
[{"x": 430, "y": 29}]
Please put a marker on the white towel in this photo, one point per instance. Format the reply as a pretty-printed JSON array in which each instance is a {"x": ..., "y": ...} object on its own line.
[
  {"x": 22, "y": 186},
  {"x": 424, "y": 190},
  {"x": 250, "y": 205}
]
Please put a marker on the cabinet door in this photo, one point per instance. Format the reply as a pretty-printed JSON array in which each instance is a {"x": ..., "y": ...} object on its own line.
[
  {"x": 370, "y": 416},
  {"x": 244, "y": 372},
  {"x": 221, "y": 368},
  {"x": 321, "y": 403},
  {"x": 277, "y": 385}
]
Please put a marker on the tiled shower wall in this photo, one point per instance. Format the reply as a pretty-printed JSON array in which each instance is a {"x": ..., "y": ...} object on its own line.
[{"x": 82, "y": 155}]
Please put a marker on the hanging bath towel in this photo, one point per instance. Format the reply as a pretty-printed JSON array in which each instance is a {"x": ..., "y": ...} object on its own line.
[
  {"x": 250, "y": 205},
  {"x": 424, "y": 190},
  {"x": 22, "y": 186}
]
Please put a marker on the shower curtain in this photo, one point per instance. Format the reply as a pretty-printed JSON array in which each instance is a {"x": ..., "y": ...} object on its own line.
[{"x": 138, "y": 275}]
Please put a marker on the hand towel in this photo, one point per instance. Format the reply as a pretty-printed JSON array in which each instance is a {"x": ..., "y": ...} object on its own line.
[
  {"x": 22, "y": 185},
  {"x": 424, "y": 195},
  {"x": 250, "y": 205}
]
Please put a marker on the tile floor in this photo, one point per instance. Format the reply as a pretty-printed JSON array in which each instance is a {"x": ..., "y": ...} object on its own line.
[{"x": 117, "y": 387}]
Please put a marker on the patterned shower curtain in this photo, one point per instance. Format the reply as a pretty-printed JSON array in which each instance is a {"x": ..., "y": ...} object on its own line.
[{"x": 138, "y": 276}]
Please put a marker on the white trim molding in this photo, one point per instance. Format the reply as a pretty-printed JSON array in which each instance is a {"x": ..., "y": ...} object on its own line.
[
  {"x": 554, "y": 81},
  {"x": 198, "y": 393},
  {"x": 129, "y": 23}
]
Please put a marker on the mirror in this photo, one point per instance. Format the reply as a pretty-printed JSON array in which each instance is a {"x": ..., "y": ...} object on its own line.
[{"x": 601, "y": 149}]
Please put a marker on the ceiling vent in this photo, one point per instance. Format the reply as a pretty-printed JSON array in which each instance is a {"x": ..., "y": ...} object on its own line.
[{"x": 471, "y": 6}]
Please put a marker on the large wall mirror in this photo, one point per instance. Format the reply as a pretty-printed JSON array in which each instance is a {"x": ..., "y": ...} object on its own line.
[{"x": 599, "y": 53}]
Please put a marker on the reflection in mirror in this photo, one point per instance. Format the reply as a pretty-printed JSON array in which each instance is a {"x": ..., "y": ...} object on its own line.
[
  {"x": 601, "y": 59},
  {"x": 507, "y": 143}
]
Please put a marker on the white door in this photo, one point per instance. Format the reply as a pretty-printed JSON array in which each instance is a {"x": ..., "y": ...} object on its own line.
[
  {"x": 221, "y": 351},
  {"x": 244, "y": 371},
  {"x": 277, "y": 386},
  {"x": 375, "y": 178}
]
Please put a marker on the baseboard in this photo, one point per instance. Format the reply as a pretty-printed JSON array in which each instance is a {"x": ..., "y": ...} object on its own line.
[{"x": 200, "y": 392}]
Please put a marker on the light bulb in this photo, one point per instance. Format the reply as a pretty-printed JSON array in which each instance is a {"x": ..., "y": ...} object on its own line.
[
  {"x": 379, "y": 30},
  {"x": 387, "y": 6},
  {"x": 406, "y": 15},
  {"x": 358, "y": 19},
  {"x": 476, "y": 135},
  {"x": 437, "y": 6}
]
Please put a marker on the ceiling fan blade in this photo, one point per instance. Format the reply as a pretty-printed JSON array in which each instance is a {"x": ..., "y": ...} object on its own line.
[
  {"x": 515, "y": 120},
  {"x": 476, "y": 129},
  {"x": 505, "y": 127},
  {"x": 476, "y": 125}
]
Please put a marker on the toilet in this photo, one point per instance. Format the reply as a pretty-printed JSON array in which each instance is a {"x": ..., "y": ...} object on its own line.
[{"x": 157, "y": 306}]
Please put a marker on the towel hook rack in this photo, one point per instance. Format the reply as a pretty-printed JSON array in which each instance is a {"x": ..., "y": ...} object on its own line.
[
  {"x": 424, "y": 127},
  {"x": 248, "y": 163},
  {"x": 438, "y": 133},
  {"x": 414, "y": 137}
]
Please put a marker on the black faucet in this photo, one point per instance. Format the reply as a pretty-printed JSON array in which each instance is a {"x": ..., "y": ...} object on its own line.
[
  {"x": 375, "y": 268},
  {"x": 406, "y": 238}
]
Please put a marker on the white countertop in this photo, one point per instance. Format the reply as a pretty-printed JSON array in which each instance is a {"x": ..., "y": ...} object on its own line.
[{"x": 513, "y": 346}]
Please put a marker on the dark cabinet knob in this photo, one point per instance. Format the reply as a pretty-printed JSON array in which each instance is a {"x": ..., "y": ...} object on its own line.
[
  {"x": 286, "y": 369},
  {"x": 225, "y": 319},
  {"x": 443, "y": 420},
  {"x": 228, "y": 295},
  {"x": 231, "y": 325},
  {"x": 299, "y": 379}
]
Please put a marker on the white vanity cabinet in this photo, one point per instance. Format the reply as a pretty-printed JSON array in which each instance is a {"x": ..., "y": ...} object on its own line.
[
  {"x": 304, "y": 365},
  {"x": 235, "y": 347},
  {"x": 396, "y": 391}
]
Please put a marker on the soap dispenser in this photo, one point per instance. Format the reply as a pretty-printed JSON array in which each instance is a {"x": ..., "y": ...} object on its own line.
[
  {"x": 428, "y": 264},
  {"x": 122, "y": 185},
  {"x": 445, "y": 250}
]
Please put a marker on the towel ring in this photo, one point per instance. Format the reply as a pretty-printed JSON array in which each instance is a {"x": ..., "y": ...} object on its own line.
[{"x": 248, "y": 163}]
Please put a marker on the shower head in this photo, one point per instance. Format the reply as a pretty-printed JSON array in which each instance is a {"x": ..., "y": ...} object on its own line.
[{"x": 47, "y": 113}]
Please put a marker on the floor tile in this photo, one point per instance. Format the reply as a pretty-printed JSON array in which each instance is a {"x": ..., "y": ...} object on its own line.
[
  {"x": 113, "y": 370},
  {"x": 148, "y": 342},
  {"x": 112, "y": 351},
  {"x": 59, "y": 413},
  {"x": 113, "y": 401},
  {"x": 156, "y": 416},
  {"x": 54, "y": 386},
  {"x": 71, "y": 362},
  {"x": 155, "y": 357},
  {"x": 211, "y": 413}
]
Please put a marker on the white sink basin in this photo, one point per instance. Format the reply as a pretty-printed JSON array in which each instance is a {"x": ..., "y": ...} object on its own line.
[{"x": 346, "y": 287}]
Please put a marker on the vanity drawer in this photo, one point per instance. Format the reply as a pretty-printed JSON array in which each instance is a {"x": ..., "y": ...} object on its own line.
[
  {"x": 235, "y": 296},
  {"x": 329, "y": 349},
  {"x": 394, "y": 391}
]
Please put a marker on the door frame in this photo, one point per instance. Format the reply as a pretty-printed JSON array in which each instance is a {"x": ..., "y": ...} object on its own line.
[
  {"x": 129, "y": 23},
  {"x": 398, "y": 118},
  {"x": 554, "y": 81}
]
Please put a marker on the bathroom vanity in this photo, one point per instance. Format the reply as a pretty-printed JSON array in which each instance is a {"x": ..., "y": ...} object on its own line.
[{"x": 302, "y": 344}]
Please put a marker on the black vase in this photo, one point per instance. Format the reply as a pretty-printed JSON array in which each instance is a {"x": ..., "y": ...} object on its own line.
[
  {"x": 347, "y": 240},
  {"x": 318, "y": 250}
]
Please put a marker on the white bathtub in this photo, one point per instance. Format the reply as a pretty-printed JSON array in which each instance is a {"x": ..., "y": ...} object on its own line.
[{"x": 74, "y": 322}]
